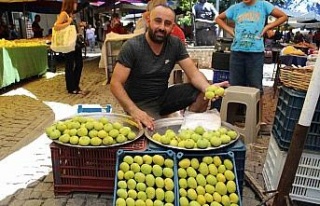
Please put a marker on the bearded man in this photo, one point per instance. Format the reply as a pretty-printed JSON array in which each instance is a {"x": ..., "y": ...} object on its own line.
[{"x": 140, "y": 78}]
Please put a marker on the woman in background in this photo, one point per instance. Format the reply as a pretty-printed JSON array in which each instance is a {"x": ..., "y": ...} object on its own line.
[{"x": 74, "y": 62}]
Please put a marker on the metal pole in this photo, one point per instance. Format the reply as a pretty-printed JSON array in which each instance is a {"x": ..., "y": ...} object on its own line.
[{"x": 299, "y": 137}]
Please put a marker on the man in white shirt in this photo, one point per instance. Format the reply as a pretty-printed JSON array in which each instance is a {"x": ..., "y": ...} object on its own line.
[{"x": 90, "y": 33}]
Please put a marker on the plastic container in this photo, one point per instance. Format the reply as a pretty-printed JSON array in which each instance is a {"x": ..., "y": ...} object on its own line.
[
  {"x": 306, "y": 185},
  {"x": 77, "y": 169},
  {"x": 166, "y": 154},
  {"x": 228, "y": 155},
  {"x": 220, "y": 75},
  {"x": 287, "y": 114},
  {"x": 90, "y": 109},
  {"x": 238, "y": 149}
]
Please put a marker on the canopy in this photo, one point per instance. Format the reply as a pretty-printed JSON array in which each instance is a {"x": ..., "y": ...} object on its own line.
[{"x": 309, "y": 17}]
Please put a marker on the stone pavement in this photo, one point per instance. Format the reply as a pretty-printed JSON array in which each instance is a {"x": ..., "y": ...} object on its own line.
[{"x": 31, "y": 116}]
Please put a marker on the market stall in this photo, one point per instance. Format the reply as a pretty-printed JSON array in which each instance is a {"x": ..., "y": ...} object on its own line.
[{"x": 18, "y": 63}]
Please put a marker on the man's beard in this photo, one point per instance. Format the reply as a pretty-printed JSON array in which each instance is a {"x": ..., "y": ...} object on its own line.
[{"x": 159, "y": 39}]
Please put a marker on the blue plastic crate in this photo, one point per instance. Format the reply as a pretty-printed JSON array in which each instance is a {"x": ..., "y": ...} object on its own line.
[
  {"x": 228, "y": 155},
  {"x": 166, "y": 154},
  {"x": 84, "y": 109},
  {"x": 220, "y": 76},
  {"x": 238, "y": 148},
  {"x": 287, "y": 114}
]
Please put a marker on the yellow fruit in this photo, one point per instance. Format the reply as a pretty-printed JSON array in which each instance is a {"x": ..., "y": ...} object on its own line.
[
  {"x": 207, "y": 159},
  {"x": 146, "y": 169},
  {"x": 220, "y": 92},
  {"x": 184, "y": 201},
  {"x": 183, "y": 192},
  {"x": 150, "y": 180},
  {"x": 199, "y": 130},
  {"x": 200, "y": 190},
  {"x": 141, "y": 187},
  {"x": 209, "y": 189},
  {"x": 167, "y": 172},
  {"x": 151, "y": 192},
  {"x": 132, "y": 194},
  {"x": 192, "y": 194},
  {"x": 217, "y": 196},
  {"x": 135, "y": 167},
  {"x": 147, "y": 159},
  {"x": 189, "y": 144},
  {"x": 221, "y": 177},
  {"x": 201, "y": 180},
  {"x": 124, "y": 167},
  {"x": 225, "y": 139},
  {"x": 228, "y": 164},
  {"x": 209, "y": 95},
  {"x": 96, "y": 141},
  {"x": 221, "y": 188},
  {"x": 131, "y": 184},
  {"x": 201, "y": 199},
  {"x": 169, "y": 196},
  {"x": 225, "y": 200},
  {"x": 232, "y": 134},
  {"x": 202, "y": 143},
  {"x": 191, "y": 172},
  {"x": 157, "y": 170},
  {"x": 120, "y": 202},
  {"x": 192, "y": 183},
  {"x": 140, "y": 203},
  {"x": 122, "y": 184},
  {"x": 168, "y": 184},
  {"x": 128, "y": 159},
  {"x": 217, "y": 161},
  {"x": 183, "y": 183},
  {"x": 182, "y": 173},
  {"x": 209, "y": 197},
  {"x": 158, "y": 160},
  {"x": 221, "y": 169},
  {"x": 142, "y": 195},
  {"x": 194, "y": 163},
  {"x": 213, "y": 170},
  {"x": 148, "y": 202},
  {"x": 211, "y": 179},
  {"x": 168, "y": 163},
  {"x": 234, "y": 198},
  {"x": 229, "y": 175},
  {"x": 159, "y": 182},
  {"x": 139, "y": 177},
  {"x": 128, "y": 175},
  {"x": 203, "y": 168},
  {"x": 159, "y": 194},
  {"x": 130, "y": 201},
  {"x": 231, "y": 186},
  {"x": 120, "y": 175},
  {"x": 122, "y": 193}
]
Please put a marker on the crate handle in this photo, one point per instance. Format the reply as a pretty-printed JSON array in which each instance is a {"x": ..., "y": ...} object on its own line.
[
  {"x": 120, "y": 151},
  {"x": 179, "y": 155}
]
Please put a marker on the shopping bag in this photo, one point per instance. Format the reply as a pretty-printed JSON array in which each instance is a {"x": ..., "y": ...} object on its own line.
[{"x": 64, "y": 40}]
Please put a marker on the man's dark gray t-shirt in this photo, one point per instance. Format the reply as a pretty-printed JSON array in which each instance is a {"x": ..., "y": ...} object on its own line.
[{"x": 149, "y": 72}]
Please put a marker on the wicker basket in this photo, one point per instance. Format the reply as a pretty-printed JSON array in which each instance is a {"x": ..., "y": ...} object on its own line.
[{"x": 297, "y": 78}]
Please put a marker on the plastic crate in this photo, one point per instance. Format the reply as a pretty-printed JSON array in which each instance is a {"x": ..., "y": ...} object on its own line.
[
  {"x": 228, "y": 155},
  {"x": 220, "y": 75},
  {"x": 220, "y": 60},
  {"x": 287, "y": 114},
  {"x": 166, "y": 154},
  {"x": 86, "y": 170},
  {"x": 94, "y": 108},
  {"x": 306, "y": 185},
  {"x": 239, "y": 150}
]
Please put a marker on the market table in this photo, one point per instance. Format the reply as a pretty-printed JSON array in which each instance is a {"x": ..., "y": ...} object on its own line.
[{"x": 18, "y": 63}]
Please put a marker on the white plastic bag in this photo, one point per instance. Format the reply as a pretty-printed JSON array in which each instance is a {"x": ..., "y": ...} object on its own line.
[
  {"x": 209, "y": 120},
  {"x": 64, "y": 40}
]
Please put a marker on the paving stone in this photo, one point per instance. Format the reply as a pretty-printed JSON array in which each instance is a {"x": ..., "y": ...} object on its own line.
[
  {"x": 35, "y": 195},
  {"x": 48, "y": 178},
  {"x": 33, "y": 203},
  {"x": 6, "y": 200},
  {"x": 42, "y": 186},
  {"x": 33, "y": 184},
  {"x": 55, "y": 202},
  {"x": 47, "y": 194},
  {"x": 76, "y": 202},
  {"x": 24, "y": 194},
  {"x": 17, "y": 202}
]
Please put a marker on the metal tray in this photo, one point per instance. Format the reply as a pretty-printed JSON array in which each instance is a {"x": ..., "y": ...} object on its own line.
[
  {"x": 175, "y": 123},
  {"x": 124, "y": 119}
]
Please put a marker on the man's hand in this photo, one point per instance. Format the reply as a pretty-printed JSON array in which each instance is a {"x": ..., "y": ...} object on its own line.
[{"x": 142, "y": 118}]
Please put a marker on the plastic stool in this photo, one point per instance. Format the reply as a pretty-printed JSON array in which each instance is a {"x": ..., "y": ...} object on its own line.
[{"x": 250, "y": 97}]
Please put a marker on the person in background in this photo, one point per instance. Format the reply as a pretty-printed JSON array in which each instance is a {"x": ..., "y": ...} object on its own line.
[
  {"x": 90, "y": 35},
  {"x": 247, "y": 49},
  {"x": 298, "y": 37},
  {"x": 204, "y": 14},
  {"x": 37, "y": 30},
  {"x": 14, "y": 34},
  {"x": 116, "y": 25},
  {"x": 316, "y": 38},
  {"x": 74, "y": 61},
  {"x": 140, "y": 78},
  {"x": 289, "y": 36},
  {"x": 309, "y": 37},
  {"x": 142, "y": 25}
]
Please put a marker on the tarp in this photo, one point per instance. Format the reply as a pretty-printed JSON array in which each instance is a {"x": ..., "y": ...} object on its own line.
[{"x": 309, "y": 17}]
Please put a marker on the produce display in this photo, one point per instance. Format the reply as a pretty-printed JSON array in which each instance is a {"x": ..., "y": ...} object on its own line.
[
  {"x": 213, "y": 91},
  {"x": 207, "y": 180},
  {"x": 168, "y": 133},
  {"x": 22, "y": 43},
  {"x": 145, "y": 179},
  {"x": 107, "y": 131}
]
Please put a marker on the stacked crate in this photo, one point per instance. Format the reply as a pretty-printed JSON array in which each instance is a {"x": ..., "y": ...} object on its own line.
[{"x": 306, "y": 186}]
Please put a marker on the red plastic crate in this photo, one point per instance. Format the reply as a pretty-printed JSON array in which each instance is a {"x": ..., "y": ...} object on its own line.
[{"x": 77, "y": 169}]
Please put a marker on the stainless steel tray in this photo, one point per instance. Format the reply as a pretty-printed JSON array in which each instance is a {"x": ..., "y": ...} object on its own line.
[
  {"x": 124, "y": 119},
  {"x": 175, "y": 123}
]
